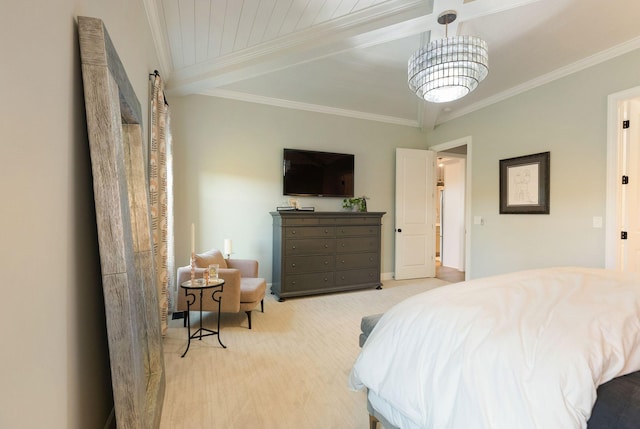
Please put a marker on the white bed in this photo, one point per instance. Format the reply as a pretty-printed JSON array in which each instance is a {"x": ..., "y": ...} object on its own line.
[{"x": 522, "y": 350}]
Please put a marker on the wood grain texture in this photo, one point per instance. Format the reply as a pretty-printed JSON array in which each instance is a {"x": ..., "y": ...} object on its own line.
[{"x": 122, "y": 214}]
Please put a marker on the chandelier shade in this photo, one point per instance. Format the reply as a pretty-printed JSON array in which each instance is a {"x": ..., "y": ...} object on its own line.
[{"x": 448, "y": 69}]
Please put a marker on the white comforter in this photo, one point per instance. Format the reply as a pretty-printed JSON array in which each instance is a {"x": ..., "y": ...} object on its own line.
[{"x": 522, "y": 350}]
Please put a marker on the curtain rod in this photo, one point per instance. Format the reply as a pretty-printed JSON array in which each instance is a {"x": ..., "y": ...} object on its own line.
[{"x": 156, "y": 74}]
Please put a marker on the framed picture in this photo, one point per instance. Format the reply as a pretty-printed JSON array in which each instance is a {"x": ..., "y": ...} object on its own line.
[{"x": 524, "y": 184}]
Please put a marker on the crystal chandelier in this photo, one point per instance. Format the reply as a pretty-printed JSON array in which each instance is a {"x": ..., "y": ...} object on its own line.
[{"x": 449, "y": 68}]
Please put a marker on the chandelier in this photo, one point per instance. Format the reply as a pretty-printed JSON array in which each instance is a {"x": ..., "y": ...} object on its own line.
[{"x": 449, "y": 68}]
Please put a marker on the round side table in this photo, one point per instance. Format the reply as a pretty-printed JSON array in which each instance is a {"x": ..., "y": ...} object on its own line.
[{"x": 215, "y": 286}]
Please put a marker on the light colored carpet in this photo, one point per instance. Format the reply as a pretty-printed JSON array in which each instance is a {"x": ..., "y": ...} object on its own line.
[{"x": 289, "y": 371}]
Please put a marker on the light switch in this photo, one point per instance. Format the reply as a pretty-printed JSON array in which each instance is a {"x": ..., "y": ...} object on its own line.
[
  {"x": 597, "y": 221},
  {"x": 477, "y": 220}
]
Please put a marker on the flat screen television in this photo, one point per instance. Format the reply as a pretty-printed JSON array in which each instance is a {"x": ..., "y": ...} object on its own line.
[{"x": 313, "y": 173}]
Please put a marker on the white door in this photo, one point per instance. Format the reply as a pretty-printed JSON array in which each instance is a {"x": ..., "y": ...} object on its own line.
[
  {"x": 630, "y": 198},
  {"x": 415, "y": 214}
]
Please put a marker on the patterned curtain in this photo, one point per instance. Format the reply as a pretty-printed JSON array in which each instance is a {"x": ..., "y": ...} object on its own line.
[{"x": 160, "y": 193}]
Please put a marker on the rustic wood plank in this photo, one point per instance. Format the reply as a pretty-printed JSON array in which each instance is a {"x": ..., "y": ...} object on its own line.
[
  {"x": 145, "y": 264},
  {"x": 124, "y": 234}
]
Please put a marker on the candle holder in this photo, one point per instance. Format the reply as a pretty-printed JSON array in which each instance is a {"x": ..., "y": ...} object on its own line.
[{"x": 193, "y": 268}]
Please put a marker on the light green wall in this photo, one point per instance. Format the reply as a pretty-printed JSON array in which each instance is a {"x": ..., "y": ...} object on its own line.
[
  {"x": 228, "y": 170},
  {"x": 568, "y": 118},
  {"x": 55, "y": 361},
  {"x": 228, "y": 156}
]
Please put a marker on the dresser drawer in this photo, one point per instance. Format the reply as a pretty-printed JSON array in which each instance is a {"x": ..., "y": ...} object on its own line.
[
  {"x": 358, "y": 220},
  {"x": 309, "y": 264},
  {"x": 301, "y": 220},
  {"x": 311, "y": 246},
  {"x": 343, "y": 231},
  {"x": 308, "y": 282},
  {"x": 352, "y": 277},
  {"x": 357, "y": 244},
  {"x": 309, "y": 231},
  {"x": 357, "y": 260}
]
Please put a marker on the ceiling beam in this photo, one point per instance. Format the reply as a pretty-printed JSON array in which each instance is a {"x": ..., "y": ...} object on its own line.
[
  {"x": 355, "y": 30},
  {"x": 383, "y": 23}
]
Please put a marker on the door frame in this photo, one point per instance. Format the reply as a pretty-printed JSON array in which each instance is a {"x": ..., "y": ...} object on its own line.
[
  {"x": 614, "y": 172},
  {"x": 467, "y": 197}
]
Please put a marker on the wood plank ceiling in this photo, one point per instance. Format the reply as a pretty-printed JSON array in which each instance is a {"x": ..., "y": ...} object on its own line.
[
  {"x": 202, "y": 30},
  {"x": 349, "y": 57}
]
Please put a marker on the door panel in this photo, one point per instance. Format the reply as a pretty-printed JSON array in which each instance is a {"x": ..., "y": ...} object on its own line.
[{"x": 415, "y": 213}]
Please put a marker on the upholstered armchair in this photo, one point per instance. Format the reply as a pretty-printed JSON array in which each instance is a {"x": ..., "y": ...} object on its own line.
[{"x": 242, "y": 291}]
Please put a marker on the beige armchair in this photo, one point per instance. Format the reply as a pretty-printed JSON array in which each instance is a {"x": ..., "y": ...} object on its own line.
[{"x": 242, "y": 291}]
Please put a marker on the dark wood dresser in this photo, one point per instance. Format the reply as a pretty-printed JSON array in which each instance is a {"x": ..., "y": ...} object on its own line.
[{"x": 320, "y": 252}]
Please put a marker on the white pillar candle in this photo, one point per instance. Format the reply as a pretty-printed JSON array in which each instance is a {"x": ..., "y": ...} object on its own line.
[
  {"x": 227, "y": 246},
  {"x": 193, "y": 238}
]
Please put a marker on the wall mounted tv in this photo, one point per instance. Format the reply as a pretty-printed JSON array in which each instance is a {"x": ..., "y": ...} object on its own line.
[{"x": 313, "y": 173}]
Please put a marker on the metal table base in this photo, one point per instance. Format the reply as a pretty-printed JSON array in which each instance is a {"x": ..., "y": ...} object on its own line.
[{"x": 189, "y": 290}]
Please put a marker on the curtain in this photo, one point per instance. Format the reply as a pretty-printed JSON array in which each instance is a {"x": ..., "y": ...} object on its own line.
[{"x": 161, "y": 198}]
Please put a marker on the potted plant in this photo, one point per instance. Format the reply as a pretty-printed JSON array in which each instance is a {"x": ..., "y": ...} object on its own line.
[{"x": 357, "y": 204}]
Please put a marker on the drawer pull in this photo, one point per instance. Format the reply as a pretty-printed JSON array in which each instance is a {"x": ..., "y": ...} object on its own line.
[
  {"x": 293, "y": 265},
  {"x": 293, "y": 247},
  {"x": 326, "y": 231},
  {"x": 326, "y": 246},
  {"x": 293, "y": 232},
  {"x": 326, "y": 279},
  {"x": 293, "y": 282},
  {"x": 326, "y": 262},
  {"x": 342, "y": 261}
]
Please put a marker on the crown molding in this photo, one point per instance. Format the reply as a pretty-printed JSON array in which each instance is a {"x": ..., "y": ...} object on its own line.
[
  {"x": 277, "y": 102},
  {"x": 600, "y": 57},
  {"x": 424, "y": 123},
  {"x": 155, "y": 16}
]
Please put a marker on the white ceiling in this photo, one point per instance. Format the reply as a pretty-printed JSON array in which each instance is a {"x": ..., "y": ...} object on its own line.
[{"x": 349, "y": 57}]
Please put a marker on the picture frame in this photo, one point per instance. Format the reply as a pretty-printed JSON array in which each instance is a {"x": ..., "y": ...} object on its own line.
[{"x": 524, "y": 184}]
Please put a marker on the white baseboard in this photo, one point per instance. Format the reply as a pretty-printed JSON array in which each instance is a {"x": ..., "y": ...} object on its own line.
[{"x": 387, "y": 276}]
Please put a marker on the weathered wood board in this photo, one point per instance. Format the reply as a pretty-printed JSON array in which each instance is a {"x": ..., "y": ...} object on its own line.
[{"x": 114, "y": 123}]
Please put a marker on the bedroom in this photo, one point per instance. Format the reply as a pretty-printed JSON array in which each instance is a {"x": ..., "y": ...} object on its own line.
[{"x": 49, "y": 167}]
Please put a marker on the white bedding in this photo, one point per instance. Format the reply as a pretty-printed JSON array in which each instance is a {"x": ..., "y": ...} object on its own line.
[{"x": 521, "y": 350}]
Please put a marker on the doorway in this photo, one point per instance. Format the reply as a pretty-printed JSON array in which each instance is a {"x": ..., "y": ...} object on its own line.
[
  {"x": 450, "y": 210},
  {"x": 453, "y": 215}
]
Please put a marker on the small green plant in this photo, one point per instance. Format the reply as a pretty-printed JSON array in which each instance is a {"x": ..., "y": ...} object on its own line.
[{"x": 358, "y": 203}]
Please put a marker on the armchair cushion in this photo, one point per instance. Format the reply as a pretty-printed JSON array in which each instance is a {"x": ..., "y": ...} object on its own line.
[
  {"x": 214, "y": 256},
  {"x": 252, "y": 290}
]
